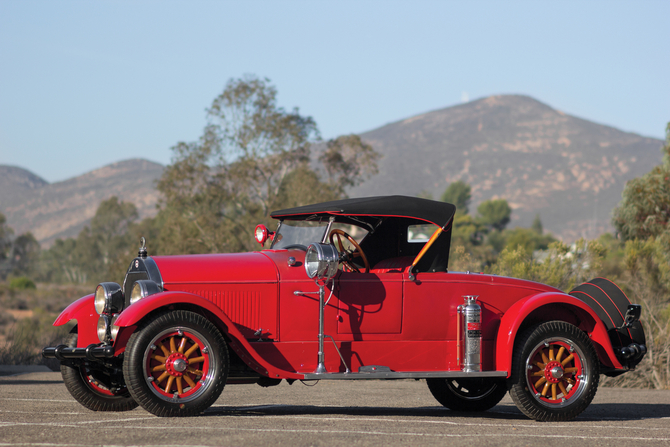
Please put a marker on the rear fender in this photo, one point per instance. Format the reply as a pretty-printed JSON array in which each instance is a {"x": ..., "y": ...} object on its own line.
[
  {"x": 132, "y": 316},
  {"x": 550, "y": 306},
  {"x": 83, "y": 311}
]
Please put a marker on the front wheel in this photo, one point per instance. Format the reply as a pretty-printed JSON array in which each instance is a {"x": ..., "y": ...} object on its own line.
[
  {"x": 176, "y": 364},
  {"x": 467, "y": 394},
  {"x": 555, "y": 372},
  {"x": 94, "y": 386}
]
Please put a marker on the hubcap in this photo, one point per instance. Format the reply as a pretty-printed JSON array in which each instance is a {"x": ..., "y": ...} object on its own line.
[
  {"x": 177, "y": 365},
  {"x": 556, "y": 373}
]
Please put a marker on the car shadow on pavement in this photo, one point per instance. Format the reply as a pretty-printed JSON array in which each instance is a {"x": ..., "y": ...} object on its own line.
[
  {"x": 9, "y": 380},
  {"x": 311, "y": 410},
  {"x": 595, "y": 412}
]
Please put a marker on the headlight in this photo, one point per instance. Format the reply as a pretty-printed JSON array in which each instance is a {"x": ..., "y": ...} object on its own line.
[
  {"x": 142, "y": 289},
  {"x": 103, "y": 326},
  {"x": 321, "y": 261},
  {"x": 108, "y": 298}
]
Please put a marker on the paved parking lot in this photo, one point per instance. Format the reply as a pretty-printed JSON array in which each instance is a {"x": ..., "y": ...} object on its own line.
[{"x": 36, "y": 409}]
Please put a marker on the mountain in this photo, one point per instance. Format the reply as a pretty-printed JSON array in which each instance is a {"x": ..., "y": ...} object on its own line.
[
  {"x": 569, "y": 170},
  {"x": 62, "y": 209}
]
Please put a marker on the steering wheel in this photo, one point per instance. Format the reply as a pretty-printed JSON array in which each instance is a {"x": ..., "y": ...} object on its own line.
[{"x": 347, "y": 256}]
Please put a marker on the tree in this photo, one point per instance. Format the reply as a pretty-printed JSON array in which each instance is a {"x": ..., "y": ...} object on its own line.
[
  {"x": 5, "y": 246},
  {"x": 253, "y": 158},
  {"x": 25, "y": 255},
  {"x": 494, "y": 213},
  {"x": 348, "y": 161},
  {"x": 458, "y": 193},
  {"x": 644, "y": 210},
  {"x": 536, "y": 226}
]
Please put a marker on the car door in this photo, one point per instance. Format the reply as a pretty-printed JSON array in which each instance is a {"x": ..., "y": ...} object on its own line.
[{"x": 369, "y": 303}]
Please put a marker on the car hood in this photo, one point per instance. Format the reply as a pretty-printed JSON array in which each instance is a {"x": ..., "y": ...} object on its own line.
[{"x": 216, "y": 268}]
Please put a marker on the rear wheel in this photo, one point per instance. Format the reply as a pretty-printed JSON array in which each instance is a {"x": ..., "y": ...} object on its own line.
[
  {"x": 467, "y": 394},
  {"x": 94, "y": 387},
  {"x": 176, "y": 364},
  {"x": 555, "y": 372}
]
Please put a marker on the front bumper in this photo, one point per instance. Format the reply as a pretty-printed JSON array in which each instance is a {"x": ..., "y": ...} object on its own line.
[{"x": 91, "y": 352}]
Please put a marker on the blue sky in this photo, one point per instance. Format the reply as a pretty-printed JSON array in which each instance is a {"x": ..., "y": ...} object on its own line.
[{"x": 88, "y": 83}]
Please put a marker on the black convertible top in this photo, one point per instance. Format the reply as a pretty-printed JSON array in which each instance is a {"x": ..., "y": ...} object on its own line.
[{"x": 439, "y": 213}]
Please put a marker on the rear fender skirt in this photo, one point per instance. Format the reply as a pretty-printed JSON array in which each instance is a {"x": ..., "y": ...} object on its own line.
[
  {"x": 132, "y": 315},
  {"x": 83, "y": 311},
  {"x": 515, "y": 316}
]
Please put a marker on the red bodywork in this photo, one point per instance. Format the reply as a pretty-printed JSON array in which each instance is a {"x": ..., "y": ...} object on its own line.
[{"x": 377, "y": 318}]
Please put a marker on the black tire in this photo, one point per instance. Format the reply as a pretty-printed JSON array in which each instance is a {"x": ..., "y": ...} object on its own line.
[
  {"x": 555, "y": 372},
  {"x": 183, "y": 378},
  {"x": 473, "y": 394},
  {"x": 87, "y": 385}
]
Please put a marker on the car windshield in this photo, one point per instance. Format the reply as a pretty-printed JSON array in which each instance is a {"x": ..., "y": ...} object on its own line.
[{"x": 298, "y": 234}]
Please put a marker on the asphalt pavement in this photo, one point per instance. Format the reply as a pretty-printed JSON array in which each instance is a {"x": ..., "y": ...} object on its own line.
[{"x": 36, "y": 409}]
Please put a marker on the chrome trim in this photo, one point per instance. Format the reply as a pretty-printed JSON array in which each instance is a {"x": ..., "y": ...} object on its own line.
[{"x": 404, "y": 375}]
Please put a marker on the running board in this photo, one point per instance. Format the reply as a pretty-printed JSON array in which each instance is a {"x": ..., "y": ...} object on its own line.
[{"x": 405, "y": 375}]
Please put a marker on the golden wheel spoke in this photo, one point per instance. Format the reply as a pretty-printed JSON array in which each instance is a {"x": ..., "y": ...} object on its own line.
[
  {"x": 540, "y": 382},
  {"x": 570, "y": 381},
  {"x": 180, "y": 389},
  {"x": 196, "y": 360},
  {"x": 540, "y": 365},
  {"x": 158, "y": 368},
  {"x": 168, "y": 387},
  {"x": 159, "y": 358},
  {"x": 545, "y": 389},
  {"x": 182, "y": 345},
  {"x": 191, "y": 350},
  {"x": 570, "y": 370},
  {"x": 551, "y": 354},
  {"x": 538, "y": 374},
  {"x": 197, "y": 372},
  {"x": 560, "y": 354},
  {"x": 173, "y": 347},
  {"x": 164, "y": 349},
  {"x": 563, "y": 390},
  {"x": 162, "y": 377},
  {"x": 544, "y": 358},
  {"x": 568, "y": 359},
  {"x": 553, "y": 391},
  {"x": 190, "y": 382}
]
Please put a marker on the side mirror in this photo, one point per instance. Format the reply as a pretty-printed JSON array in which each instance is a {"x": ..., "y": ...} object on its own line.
[
  {"x": 632, "y": 315},
  {"x": 321, "y": 261}
]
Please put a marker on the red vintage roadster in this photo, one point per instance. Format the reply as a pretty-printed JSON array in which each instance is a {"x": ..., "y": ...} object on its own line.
[{"x": 354, "y": 289}]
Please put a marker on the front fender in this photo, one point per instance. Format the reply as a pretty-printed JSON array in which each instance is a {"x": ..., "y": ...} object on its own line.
[
  {"x": 519, "y": 312},
  {"x": 133, "y": 314},
  {"x": 83, "y": 311}
]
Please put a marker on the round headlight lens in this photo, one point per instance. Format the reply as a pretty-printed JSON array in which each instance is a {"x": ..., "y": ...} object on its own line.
[
  {"x": 100, "y": 299},
  {"x": 321, "y": 261},
  {"x": 136, "y": 294},
  {"x": 103, "y": 324},
  {"x": 108, "y": 298}
]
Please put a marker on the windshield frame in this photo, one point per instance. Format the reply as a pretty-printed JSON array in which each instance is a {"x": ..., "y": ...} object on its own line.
[{"x": 296, "y": 240}]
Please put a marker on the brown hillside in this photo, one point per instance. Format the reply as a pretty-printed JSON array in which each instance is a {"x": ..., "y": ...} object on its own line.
[
  {"x": 62, "y": 209},
  {"x": 569, "y": 170}
]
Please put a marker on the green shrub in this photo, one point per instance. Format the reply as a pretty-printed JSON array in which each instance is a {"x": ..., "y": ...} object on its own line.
[{"x": 21, "y": 283}]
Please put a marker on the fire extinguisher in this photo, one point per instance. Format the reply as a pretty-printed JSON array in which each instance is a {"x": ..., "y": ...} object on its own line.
[{"x": 470, "y": 317}]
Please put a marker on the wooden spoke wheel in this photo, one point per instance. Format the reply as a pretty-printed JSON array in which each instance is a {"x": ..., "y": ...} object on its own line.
[
  {"x": 177, "y": 364},
  {"x": 94, "y": 386},
  {"x": 555, "y": 376},
  {"x": 348, "y": 254}
]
